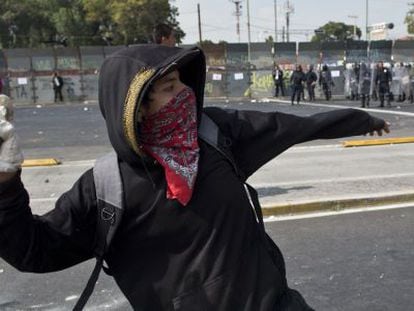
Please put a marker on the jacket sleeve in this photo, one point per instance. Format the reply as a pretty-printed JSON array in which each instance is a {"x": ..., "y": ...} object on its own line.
[
  {"x": 59, "y": 239},
  {"x": 257, "y": 137}
]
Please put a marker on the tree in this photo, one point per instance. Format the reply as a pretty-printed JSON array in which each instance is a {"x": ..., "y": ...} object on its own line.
[
  {"x": 409, "y": 18},
  {"x": 269, "y": 40},
  {"x": 334, "y": 31},
  {"x": 132, "y": 21},
  {"x": 35, "y": 23},
  {"x": 72, "y": 26},
  {"x": 205, "y": 42},
  {"x": 24, "y": 23}
]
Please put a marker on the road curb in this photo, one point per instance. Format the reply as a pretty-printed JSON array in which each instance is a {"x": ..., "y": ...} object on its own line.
[
  {"x": 335, "y": 205},
  {"x": 40, "y": 162},
  {"x": 373, "y": 142}
]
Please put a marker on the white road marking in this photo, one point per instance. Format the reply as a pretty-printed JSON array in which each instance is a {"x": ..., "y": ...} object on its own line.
[
  {"x": 331, "y": 180},
  {"x": 384, "y": 110},
  {"x": 73, "y": 297},
  {"x": 336, "y": 213},
  {"x": 43, "y": 199}
]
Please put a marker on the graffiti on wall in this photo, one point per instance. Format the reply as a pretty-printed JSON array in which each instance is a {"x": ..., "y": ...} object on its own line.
[
  {"x": 262, "y": 82},
  {"x": 20, "y": 92},
  {"x": 67, "y": 63},
  {"x": 43, "y": 63},
  {"x": 71, "y": 88}
]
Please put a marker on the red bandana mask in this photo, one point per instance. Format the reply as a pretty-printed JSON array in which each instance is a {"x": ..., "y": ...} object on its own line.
[{"x": 170, "y": 136}]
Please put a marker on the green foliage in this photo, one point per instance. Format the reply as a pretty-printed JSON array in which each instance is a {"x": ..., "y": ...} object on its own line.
[
  {"x": 37, "y": 23},
  {"x": 24, "y": 23},
  {"x": 269, "y": 40},
  {"x": 409, "y": 18},
  {"x": 334, "y": 31},
  {"x": 205, "y": 42}
]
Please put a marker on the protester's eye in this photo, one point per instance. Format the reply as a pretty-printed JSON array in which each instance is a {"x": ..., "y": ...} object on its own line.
[{"x": 169, "y": 88}]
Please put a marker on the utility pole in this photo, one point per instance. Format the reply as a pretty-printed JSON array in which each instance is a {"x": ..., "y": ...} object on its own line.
[
  {"x": 237, "y": 13},
  {"x": 275, "y": 5},
  {"x": 367, "y": 35},
  {"x": 249, "y": 60},
  {"x": 354, "y": 17},
  {"x": 289, "y": 10},
  {"x": 199, "y": 24},
  {"x": 248, "y": 32}
]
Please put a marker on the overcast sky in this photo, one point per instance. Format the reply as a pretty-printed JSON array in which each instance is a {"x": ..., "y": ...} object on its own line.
[{"x": 219, "y": 23}]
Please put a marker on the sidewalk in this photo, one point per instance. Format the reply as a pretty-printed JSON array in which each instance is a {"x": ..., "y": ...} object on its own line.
[
  {"x": 333, "y": 198},
  {"x": 302, "y": 180}
]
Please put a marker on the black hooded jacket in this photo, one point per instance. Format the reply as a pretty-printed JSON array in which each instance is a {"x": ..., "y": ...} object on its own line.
[{"x": 207, "y": 255}]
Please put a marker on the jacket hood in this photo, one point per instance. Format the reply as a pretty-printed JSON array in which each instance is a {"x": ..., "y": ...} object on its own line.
[{"x": 127, "y": 75}]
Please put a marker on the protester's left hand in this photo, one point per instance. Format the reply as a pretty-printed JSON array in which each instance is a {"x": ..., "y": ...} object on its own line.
[
  {"x": 385, "y": 128},
  {"x": 11, "y": 156}
]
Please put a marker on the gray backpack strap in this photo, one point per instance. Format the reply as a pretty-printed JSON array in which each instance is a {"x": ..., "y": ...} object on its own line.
[
  {"x": 209, "y": 132},
  {"x": 109, "y": 196}
]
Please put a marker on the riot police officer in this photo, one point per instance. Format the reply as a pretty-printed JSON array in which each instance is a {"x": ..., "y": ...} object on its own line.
[
  {"x": 296, "y": 81},
  {"x": 364, "y": 85},
  {"x": 326, "y": 82},
  {"x": 383, "y": 80},
  {"x": 311, "y": 79}
]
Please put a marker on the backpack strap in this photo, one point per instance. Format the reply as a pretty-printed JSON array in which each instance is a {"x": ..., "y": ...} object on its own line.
[
  {"x": 109, "y": 196},
  {"x": 209, "y": 132}
]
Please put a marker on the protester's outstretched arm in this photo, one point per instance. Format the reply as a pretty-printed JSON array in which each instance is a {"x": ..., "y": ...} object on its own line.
[{"x": 257, "y": 137}]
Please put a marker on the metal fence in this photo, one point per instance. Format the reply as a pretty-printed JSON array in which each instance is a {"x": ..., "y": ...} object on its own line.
[{"x": 27, "y": 73}]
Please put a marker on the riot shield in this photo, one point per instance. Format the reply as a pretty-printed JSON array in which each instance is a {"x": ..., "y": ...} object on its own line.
[
  {"x": 349, "y": 76},
  {"x": 365, "y": 75},
  {"x": 351, "y": 81},
  {"x": 396, "y": 87},
  {"x": 405, "y": 82},
  {"x": 411, "y": 73},
  {"x": 374, "y": 86}
]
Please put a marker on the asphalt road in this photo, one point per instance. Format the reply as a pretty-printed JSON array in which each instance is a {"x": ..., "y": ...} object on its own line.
[
  {"x": 361, "y": 261},
  {"x": 77, "y": 131}
]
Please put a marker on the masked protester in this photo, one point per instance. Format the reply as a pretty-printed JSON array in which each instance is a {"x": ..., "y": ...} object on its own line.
[{"x": 189, "y": 238}]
